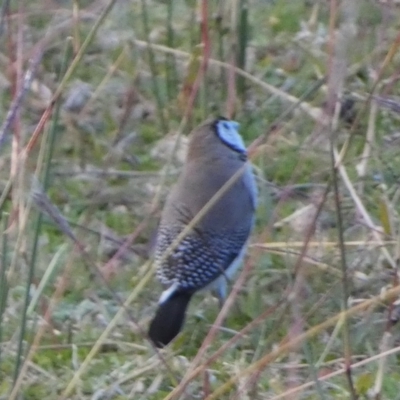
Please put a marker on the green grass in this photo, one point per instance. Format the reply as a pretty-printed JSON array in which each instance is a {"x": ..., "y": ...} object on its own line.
[{"x": 106, "y": 173}]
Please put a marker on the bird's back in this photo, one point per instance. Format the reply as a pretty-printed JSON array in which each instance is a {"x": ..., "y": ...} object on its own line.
[{"x": 216, "y": 240}]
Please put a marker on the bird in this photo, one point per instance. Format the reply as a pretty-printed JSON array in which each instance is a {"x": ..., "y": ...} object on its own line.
[{"x": 208, "y": 256}]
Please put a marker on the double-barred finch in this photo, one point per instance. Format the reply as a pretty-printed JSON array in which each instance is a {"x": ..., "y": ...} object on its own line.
[{"x": 214, "y": 247}]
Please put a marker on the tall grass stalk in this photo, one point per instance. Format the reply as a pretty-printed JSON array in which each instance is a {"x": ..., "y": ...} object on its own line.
[
  {"x": 39, "y": 219},
  {"x": 220, "y": 35},
  {"x": 153, "y": 69},
  {"x": 205, "y": 40},
  {"x": 243, "y": 35},
  {"x": 4, "y": 286},
  {"x": 170, "y": 61}
]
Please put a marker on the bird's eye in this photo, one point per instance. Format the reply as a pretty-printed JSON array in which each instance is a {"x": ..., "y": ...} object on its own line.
[{"x": 228, "y": 133}]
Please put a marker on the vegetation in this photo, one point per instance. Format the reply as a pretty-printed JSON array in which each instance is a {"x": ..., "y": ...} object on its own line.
[{"x": 97, "y": 99}]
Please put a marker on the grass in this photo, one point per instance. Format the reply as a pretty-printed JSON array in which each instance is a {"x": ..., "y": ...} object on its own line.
[{"x": 96, "y": 102}]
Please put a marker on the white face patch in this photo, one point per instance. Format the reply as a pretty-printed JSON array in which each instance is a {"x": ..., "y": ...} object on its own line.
[{"x": 228, "y": 132}]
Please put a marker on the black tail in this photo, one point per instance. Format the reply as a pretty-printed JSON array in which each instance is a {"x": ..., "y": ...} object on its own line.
[{"x": 169, "y": 318}]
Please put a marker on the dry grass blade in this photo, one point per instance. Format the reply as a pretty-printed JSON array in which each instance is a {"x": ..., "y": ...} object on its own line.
[
  {"x": 45, "y": 206},
  {"x": 284, "y": 349},
  {"x": 340, "y": 371}
]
